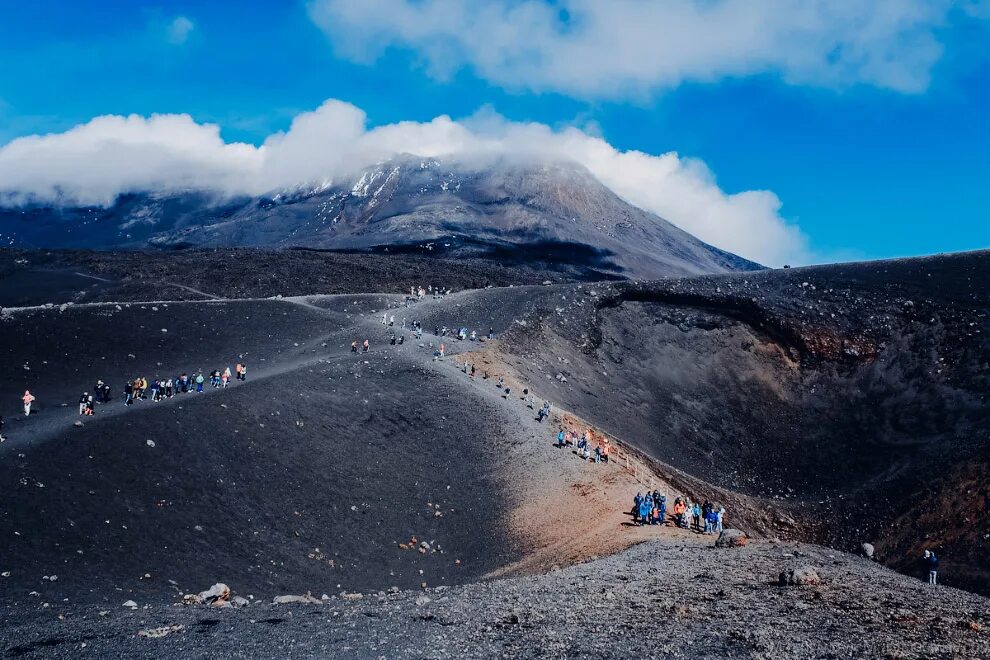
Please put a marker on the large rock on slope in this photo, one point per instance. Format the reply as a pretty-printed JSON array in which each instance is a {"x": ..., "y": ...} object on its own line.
[{"x": 731, "y": 538}]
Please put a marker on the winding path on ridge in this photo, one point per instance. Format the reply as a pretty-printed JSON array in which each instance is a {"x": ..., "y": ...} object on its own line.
[{"x": 564, "y": 510}]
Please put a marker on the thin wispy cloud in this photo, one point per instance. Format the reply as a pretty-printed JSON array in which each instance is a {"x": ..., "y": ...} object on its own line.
[
  {"x": 595, "y": 49},
  {"x": 96, "y": 161},
  {"x": 179, "y": 30}
]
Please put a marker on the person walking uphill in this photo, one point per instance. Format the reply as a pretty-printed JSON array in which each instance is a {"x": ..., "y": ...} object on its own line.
[
  {"x": 28, "y": 399},
  {"x": 199, "y": 382}
]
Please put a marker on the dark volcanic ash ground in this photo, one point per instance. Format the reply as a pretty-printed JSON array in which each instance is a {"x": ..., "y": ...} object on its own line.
[{"x": 837, "y": 404}]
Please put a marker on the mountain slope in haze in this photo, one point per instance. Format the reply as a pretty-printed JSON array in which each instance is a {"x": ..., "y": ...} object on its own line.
[{"x": 557, "y": 211}]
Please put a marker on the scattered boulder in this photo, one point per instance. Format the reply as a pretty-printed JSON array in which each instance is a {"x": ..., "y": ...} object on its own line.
[
  {"x": 306, "y": 599},
  {"x": 131, "y": 604},
  {"x": 800, "y": 577},
  {"x": 155, "y": 633},
  {"x": 218, "y": 593},
  {"x": 731, "y": 538},
  {"x": 867, "y": 550},
  {"x": 238, "y": 601}
]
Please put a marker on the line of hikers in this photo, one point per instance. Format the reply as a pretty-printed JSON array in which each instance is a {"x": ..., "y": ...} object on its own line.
[
  {"x": 651, "y": 509},
  {"x": 582, "y": 442},
  {"x": 417, "y": 293},
  {"x": 138, "y": 389},
  {"x": 157, "y": 389}
]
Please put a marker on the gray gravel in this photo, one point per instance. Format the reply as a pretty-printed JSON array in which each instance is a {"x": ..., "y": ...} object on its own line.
[{"x": 667, "y": 598}]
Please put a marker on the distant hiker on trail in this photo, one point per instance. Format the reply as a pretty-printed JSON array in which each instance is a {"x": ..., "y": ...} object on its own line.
[
  {"x": 696, "y": 516},
  {"x": 443, "y": 350},
  {"x": 225, "y": 377},
  {"x": 500, "y": 383},
  {"x": 472, "y": 371},
  {"x": 128, "y": 393},
  {"x": 635, "y": 510},
  {"x": 385, "y": 319},
  {"x": 2, "y": 439},
  {"x": 169, "y": 388},
  {"x": 354, "y": 346},
  {"x": 365, "y": 346},
  {"x": 560, "y": 437},
  {"x": 90, "y": 405},
  {"x": 28, "y": 399},
  {"x": 199, "y": 382},
  {"x": 606, "y": 448},
  {"x": 83, "y": 402},
  {"x": 931, "y": 563}
]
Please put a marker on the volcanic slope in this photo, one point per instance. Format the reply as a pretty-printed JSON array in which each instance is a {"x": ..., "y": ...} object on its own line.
[
  {"x": 504, "y": 208},
  {"x": 855, "y": 396},
  {"x": 327, "y": 470}
]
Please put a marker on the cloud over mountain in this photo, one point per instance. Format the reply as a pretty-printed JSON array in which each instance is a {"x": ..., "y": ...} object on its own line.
[{"x": 94, "y": 162}]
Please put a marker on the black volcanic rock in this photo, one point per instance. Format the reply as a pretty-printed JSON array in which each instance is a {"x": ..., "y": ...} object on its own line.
[{"x": 558, "y": 210}]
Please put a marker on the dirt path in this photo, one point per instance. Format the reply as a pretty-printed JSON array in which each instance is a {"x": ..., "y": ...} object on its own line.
[{"x": 565, "y": 510}]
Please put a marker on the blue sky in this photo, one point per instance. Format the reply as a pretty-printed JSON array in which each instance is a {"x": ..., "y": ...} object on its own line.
[{"x": 867, "y": 165}]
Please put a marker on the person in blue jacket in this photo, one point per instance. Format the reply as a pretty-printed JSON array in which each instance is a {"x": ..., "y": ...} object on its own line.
[
  {"x": 711, "y": 522},
  {"x": 644, "y": 510},
  {"x": 636, "y": 502}
]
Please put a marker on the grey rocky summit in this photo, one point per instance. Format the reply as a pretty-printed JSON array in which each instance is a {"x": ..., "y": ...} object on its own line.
[{"x": 508, "y": 208}]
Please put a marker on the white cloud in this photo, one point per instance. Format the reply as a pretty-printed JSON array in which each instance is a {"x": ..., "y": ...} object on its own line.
[
  {"x": 606, "y": 48},
  {"x": 94, "y": 162},
  {"x": 179, "y": 29}
]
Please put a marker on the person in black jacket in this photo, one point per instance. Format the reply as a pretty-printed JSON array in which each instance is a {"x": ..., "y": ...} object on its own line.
[{"x": 931, "y": 562}]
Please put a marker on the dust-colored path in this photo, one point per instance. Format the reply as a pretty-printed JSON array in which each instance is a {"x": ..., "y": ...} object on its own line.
[{"x": 564, "y": 510}]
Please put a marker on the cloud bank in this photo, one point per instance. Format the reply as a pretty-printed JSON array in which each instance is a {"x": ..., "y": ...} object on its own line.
[
  {"x": 94, "y": 162},
  {"x": 599, "y": 49}
]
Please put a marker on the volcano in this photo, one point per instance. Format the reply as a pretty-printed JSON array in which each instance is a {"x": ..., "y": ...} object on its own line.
[{"x": 555, "y": 211}]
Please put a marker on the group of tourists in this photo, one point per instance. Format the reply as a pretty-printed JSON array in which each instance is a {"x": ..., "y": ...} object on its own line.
[
  {"x": 142, "y": 389},
  {"x": 582, "y": 442},
  {"x": 651, "y": 509},
  {"x": 417, "y": 293}
]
